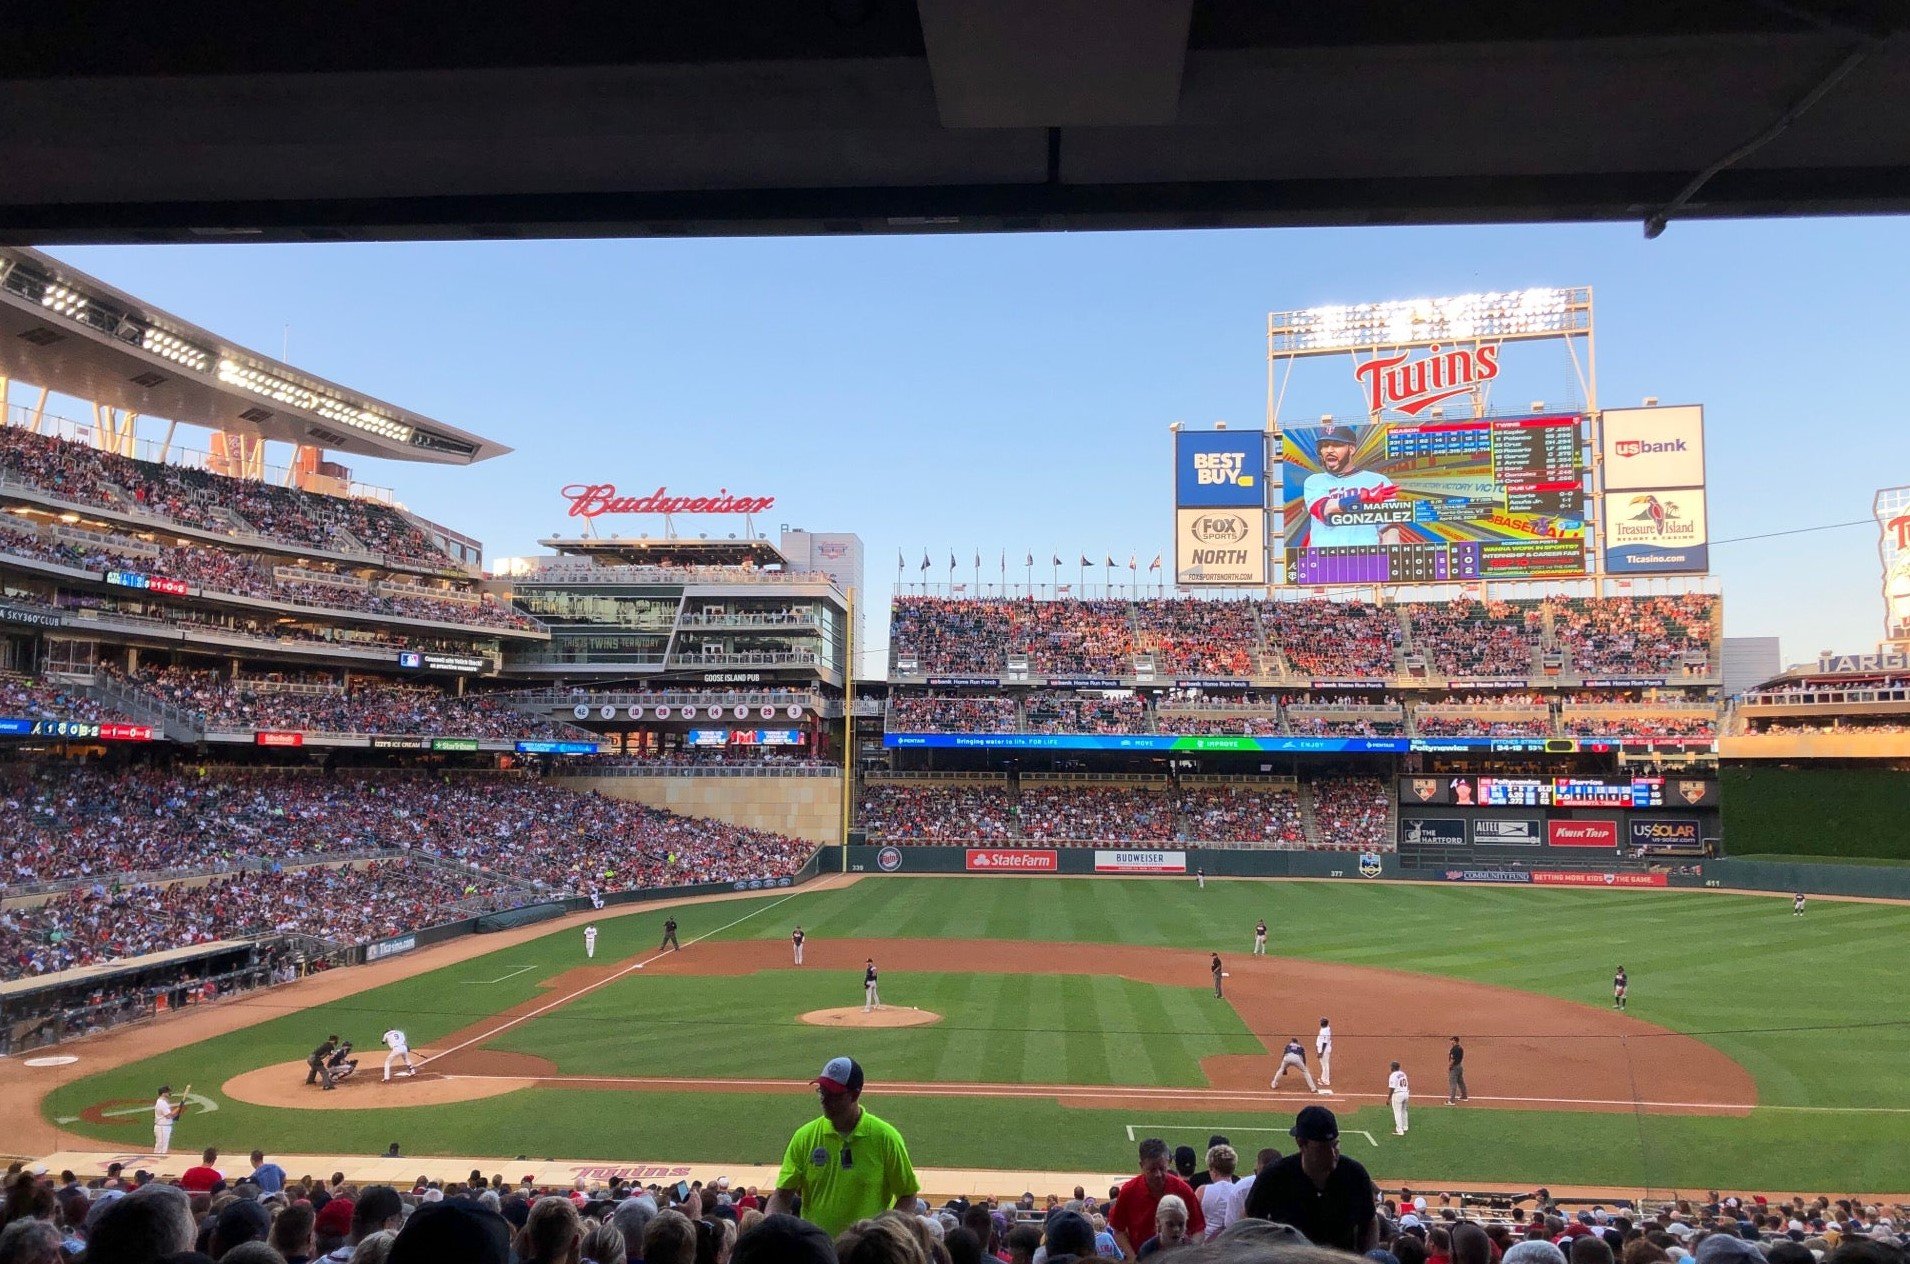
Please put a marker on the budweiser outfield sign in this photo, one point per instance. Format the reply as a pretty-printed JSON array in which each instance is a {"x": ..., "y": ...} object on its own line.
[
  {"x": 1012, "y": 860},
  {"x": 1140, "y": 862},
  {"x": 592, "y": 500}
]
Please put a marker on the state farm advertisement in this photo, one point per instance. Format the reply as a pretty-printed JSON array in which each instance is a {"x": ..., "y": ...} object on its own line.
[
  {"x": 1140, "y": 862},
  {"x": 1582, "y": 834},
  {"x": 1571, "y": 878},
  {"x": 1012, "y": 860}
]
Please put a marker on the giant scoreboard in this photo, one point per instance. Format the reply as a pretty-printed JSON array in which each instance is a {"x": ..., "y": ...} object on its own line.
[{"x": 1423, "y": 502}]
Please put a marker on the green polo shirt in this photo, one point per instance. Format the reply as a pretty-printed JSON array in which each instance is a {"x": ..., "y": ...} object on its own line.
[{"x": 834, "y": 1196}]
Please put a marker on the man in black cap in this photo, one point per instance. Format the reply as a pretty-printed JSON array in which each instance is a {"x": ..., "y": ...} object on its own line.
[
  {"x": 1345, "y": 505},
  {"x": 1318, "y": 1191},
  {"x": 453, "y": 1230},
  {"x": 669, "y": 936},
  {"x": 320, "y": 1062}
]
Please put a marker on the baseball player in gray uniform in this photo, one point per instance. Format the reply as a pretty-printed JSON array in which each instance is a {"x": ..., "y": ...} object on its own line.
[{"x": 1293, "y": 1058}]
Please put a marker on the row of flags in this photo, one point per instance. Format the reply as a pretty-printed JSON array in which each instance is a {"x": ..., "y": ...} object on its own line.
[{"x": 1133, "y": 561}]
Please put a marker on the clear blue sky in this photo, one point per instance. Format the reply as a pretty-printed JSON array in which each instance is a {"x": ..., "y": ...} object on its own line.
[{"x": 1013, "y": 393}]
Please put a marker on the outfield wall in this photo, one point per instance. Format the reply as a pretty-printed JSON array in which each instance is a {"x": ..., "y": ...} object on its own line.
[
  {"x": 809, "y": 808},
  {"x": 1817, "y": 812}
]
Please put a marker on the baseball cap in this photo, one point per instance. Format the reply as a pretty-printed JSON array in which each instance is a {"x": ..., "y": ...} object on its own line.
[
  {"x": 841, "y": 1075},
  {"x": 335, "y": 1217},
  {"x": 1339, "y": 434},
  {"x": 1315, "y": 1123}
]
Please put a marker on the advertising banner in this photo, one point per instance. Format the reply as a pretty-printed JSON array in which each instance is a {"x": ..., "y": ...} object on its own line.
[
  {"x": 557, "y": 748},
  {"x": 1667, "y": 834},
  {"x": 390, "y": 947},
  {"x": 1220, "y": 469},
  {"x": 381, "y": 742},
  {"x": 267, "y": 738},
  {"x": 1437, "y": 831},
  {"x": 1012, "y": 860},
  {"x": 1487, "y": 875},
  {"x": 454, "y": 743},
  {"x": 1653, "y": 447},
  {"x": 1661, "y": 531},
  {"x": 1573, "y": 878},
  {"x": 1426, "y": 789},
  {"x": 1140, "y": 862},
  {"x": 1600, "y": 833},
  {"x": 1506, "y": 831},
  {"x": 1226, "y": 547},
  {"x": 1892, "y": 510},
  {"x": 29, "y": 617},
  {"x": 1433, "y": 501}
]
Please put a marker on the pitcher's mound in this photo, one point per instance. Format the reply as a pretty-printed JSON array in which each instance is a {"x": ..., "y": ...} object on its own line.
[{"x": 881, "y": 1016}]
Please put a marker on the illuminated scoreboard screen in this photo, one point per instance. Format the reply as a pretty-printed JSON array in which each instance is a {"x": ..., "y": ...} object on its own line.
[
  {"x": 1593, "y": 792},
  {"x": 1421, "y": 502},
  {"x": 1515, "y": 792}
]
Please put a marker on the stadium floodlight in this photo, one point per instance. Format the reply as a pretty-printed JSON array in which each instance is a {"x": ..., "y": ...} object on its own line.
[
  {"x": 1493, "y": 316},
  {"x": 62, "y": 301},
  {"x": 296, "y": 395},
  {"x": 178, "y": 350}
]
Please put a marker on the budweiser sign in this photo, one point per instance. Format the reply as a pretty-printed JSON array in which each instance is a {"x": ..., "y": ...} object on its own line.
[
  {"x": 589, "y": 500},
  {"x": 1408, "y": 386}
]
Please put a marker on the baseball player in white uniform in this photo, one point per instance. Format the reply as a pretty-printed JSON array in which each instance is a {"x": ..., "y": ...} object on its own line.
[
  {"x": 870, "y": 997},
  {"x": 1323, "y": 1045},
  {"x": 164, "y": 1113},
  {"x": 1397, "y": 1094},
  {"x": 400, "y": 1050},
  {"x": 1797, "y": 905},
  {"x": 590, "y": 941},
  {"x": 1260, "y": 938},
  {"x": 1293, "y": 1058}
]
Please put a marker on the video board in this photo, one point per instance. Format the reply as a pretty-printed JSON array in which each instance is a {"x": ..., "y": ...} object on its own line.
[
  {"x": 1560, "y": 792},
  {"x": 1430, "y": 501}
]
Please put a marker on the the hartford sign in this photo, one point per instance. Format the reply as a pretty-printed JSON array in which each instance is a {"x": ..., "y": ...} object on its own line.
[{"x": 591, "y": 500}]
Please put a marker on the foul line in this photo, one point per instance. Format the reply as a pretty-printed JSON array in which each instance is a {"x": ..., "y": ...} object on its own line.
[
  {"x": 586, "y": 990},
  {"x": 500, "y": 978},
  {"x": 1345, "y": 1132}
]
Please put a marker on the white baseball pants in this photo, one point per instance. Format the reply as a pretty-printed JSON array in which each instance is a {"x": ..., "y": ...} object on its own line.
[{"x": 1400, "y": 1097}]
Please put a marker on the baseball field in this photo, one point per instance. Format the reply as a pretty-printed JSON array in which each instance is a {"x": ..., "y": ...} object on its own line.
[{"x": 1044, "y": 1023}]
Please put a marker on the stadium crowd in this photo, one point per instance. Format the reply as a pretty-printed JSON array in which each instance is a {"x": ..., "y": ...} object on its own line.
[
  {"x": 1243, "y": 815},
  {"x": 315, "y": 703},
  {"x": 79, "y": 822},
  {"x": 908, "y": 714},
  {"x": 1220, "y": 1207},
  {"x": 1095, "y": 813},
  {"x": 347, "y": 904},
  {"x": 933, "y": 812},
  {"x": 1318, "y": 639},
  {"x": 30, "y": 698},
  {"x": 1353, "y": 814},
  {"x": 211, "y": 502},
  {"x": 225, "y": 571}
]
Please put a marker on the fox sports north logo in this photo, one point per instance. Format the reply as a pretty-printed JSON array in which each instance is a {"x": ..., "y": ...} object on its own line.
[{"x": 889, "y": 859}]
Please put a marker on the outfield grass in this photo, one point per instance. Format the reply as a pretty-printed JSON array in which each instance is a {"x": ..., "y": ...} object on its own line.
[{"x": 1813, "y": 1007}]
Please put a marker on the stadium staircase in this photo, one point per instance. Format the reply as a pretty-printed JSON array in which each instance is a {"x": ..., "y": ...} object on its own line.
[
  {"x": 178, "y": 724},
  {"x": 1309, "y": 819}
]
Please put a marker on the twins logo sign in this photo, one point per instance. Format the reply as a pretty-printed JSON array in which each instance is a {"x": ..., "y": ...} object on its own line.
[{"x": 889, "y": 859}]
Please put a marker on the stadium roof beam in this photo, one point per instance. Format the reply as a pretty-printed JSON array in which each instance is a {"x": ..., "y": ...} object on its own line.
[
  {"x": 63, "y": 330},
  {"x": 878, "y": 116}
]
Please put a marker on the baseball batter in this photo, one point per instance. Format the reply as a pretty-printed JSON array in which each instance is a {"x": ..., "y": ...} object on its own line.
[
  {"x": 1323, "y": 1045},
  {"x": 164, "y": 1114},
  {"x": 1397, "y": 1095},
  {"x": 795, "y": 941},
  {"x": 590, "y": 941},
  {"x": 400, "y": 1052},
  {"x": 1260, "y": 938},
  {"x": 870, "y": 997},
  {"x": 1619, "y": 984},
  {"x": 1293, "y": 1058}
]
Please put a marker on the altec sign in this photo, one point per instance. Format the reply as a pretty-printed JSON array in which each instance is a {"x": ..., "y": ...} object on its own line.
[
  {"x": 1406, "y": 385},
  {"x": 590, "y": 500}
]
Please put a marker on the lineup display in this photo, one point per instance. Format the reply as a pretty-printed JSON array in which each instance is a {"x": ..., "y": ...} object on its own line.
[
  {"x": 1423, "y": 502},
  {"x": 1560, "y": 792}
]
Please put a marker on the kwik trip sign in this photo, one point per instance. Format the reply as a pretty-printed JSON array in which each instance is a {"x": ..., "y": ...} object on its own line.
[{"x": 592, "y": 500}]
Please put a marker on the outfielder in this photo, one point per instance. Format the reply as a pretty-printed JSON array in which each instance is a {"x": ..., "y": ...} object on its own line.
[
  {"x": 795, "y": 941},
  {"x": 669, "y": 935},
  {"x": 164, "y": 1113},
  {"x": 400, "y": 1050},
  {"x": 1219, "y": 974},
  {"x": 1293, "y": 1058},
  {"x": 590, "y": 941},
  {"x": 1397, "y": 1094},
  {"x": 870, "y": 997},
  {"x": 1323, "y": 1045},
  {"x": 1797, "y": 905},
  {"x": 1260, "y": 938},
  {"x": 1200, "y": 878},
  {"x": 1619, "y": 984}
]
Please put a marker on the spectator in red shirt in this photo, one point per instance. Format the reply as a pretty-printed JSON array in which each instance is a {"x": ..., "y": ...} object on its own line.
[
  {"x": 1132, "y": 1217},
  {"x": 201, "y": 1179}
]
